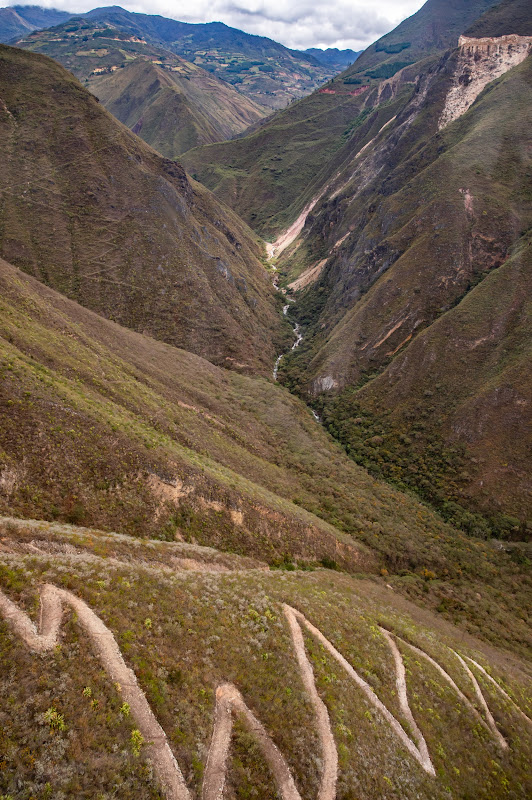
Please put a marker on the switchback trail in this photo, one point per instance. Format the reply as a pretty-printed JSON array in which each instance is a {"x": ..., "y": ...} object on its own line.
[{"x": 230, "y": 703}]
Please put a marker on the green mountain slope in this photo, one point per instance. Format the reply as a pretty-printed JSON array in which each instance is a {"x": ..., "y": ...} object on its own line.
[
  {"x": 401, "y": 215},
  {"x": 17, "y": 21},
  {"x": 171, "y": 104},
  {"x": 510, "y": 16},
  {"x": 102, "y": 426},
  {"x": 266, "y": 175},
  {"x": 435, "y": 27},
  {"x": 404, "y": 233},
  {"x": 264, "y": 70},
  {"x": 480, "y": 352},
  {"x": 175, "y": 109},
  {"x": 91, "y": 210}
]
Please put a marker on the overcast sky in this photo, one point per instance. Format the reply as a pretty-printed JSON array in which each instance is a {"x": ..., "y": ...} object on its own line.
[{"x": 295, "y": 23}]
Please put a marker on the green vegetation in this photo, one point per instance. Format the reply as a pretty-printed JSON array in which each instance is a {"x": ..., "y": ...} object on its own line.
[
  {"x": 415, "y": 458},
  {"x": 190, "y": 505},
  {"x": 266, "y": 72},
  {"x": 269, "y": 175},
  {"x": 424, "y": 307},
  {"x": 210, "y": 628},
  {"x": 387, "y": 70},
  {"x": 382, "y": 47},
  {"x": 434, "y": 28},
  {"x": 508, "y": 16},
  {"x": 139, "y": 437}
]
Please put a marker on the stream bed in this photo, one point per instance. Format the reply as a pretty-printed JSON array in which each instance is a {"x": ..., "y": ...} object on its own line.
[{"x": 297, "y": 342}]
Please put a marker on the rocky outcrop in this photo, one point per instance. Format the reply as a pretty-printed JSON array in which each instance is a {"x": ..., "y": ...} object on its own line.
[{"x": 481, "y": 61}]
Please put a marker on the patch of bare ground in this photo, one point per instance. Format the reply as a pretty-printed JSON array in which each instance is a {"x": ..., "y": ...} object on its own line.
[{"x": 307, "y": 277}]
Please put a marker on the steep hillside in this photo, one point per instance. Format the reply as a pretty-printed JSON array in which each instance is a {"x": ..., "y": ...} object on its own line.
[
  {"x": 510, "y": 16},
  {"x": 271, "y": 176},
  {"x": 472, "y": 368},
  {"x": 435, "y": 27},
  {"x": 17, "y": 21},
  {"x": 171, "y": 104},
  {"x": 174, "y": 108},
  {"x": 418, "y": 216},
  {"x": 176, "y": 672},
  {"x": 268, "y": 176},
  {"x": 91, "y": 210},
  {"x": 264, "y": 70},
  {"x": 101, "y": 426}
]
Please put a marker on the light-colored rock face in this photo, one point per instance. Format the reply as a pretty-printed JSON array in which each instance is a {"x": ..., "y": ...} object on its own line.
[
  {"x": 325, "y": 384},
  {"x": 481, "y": 61}
]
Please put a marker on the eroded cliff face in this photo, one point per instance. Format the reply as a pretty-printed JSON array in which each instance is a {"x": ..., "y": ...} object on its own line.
[{"x": 481, "y": 61}]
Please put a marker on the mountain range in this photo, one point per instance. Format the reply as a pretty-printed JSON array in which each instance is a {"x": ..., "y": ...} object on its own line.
[
  {"x": 172, "y": 104},
  {"x": 265, "y": 408},
  {"x": 263, "y": 70},
  {"x": 334, "y": 57}
]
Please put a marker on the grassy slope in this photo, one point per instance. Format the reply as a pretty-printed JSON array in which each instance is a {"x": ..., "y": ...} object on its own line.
[
  {"x": 510, "y": 16},
  {"x": 410, "y": 226},
  {"x": 266, "y": 175},
  {"x": 205, "y": 629},
  {"x": 435, "y": 27},
  {"x": 93, "y": 211},
  {"x": 477, "y": 354},
  {"x": 171, "y": 104},
  {"x": 109, "y": 428},
  {"x": 174, "y": 111}
]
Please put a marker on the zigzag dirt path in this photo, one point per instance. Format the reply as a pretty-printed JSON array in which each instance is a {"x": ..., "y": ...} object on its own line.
[
  {"x": 107, "y": 650},
  {"x": 229, "y": 701}
]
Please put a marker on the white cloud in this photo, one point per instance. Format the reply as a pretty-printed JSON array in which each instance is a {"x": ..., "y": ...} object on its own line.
[{"x": 295, "y": 23}]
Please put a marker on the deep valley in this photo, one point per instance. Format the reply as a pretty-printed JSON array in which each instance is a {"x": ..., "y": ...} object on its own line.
[{"x": 265, "y": 409}]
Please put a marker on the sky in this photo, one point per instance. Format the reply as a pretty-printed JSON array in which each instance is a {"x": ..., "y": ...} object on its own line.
[{"x": 294, "y": 23}]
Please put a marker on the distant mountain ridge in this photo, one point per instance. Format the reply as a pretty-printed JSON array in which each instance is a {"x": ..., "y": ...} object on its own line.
[
  {"x": 262, "y": 69},
  {"x": 173, "y": 105},
  {"x": 17, "y": 21},
  {"x": 332, "y": 56}
]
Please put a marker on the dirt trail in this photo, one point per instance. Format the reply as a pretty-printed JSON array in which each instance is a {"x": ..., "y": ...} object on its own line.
[
  {"x": 229, "y": 701},
  {"x": 52, "y": 600},
  {"x": 372, "y": 697},
  {"x": 400, "y": 673},
  {"x": 501, "y": 690},
  {"x": 460, "y": 694},
  {"x": 328, "y": 746},
  {"x": 483, "y": 704}
]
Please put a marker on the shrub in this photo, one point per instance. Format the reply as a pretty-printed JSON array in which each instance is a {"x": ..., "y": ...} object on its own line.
[
  {"x": 137, "y": 740},
  {"x": 55, "y": 720}
]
